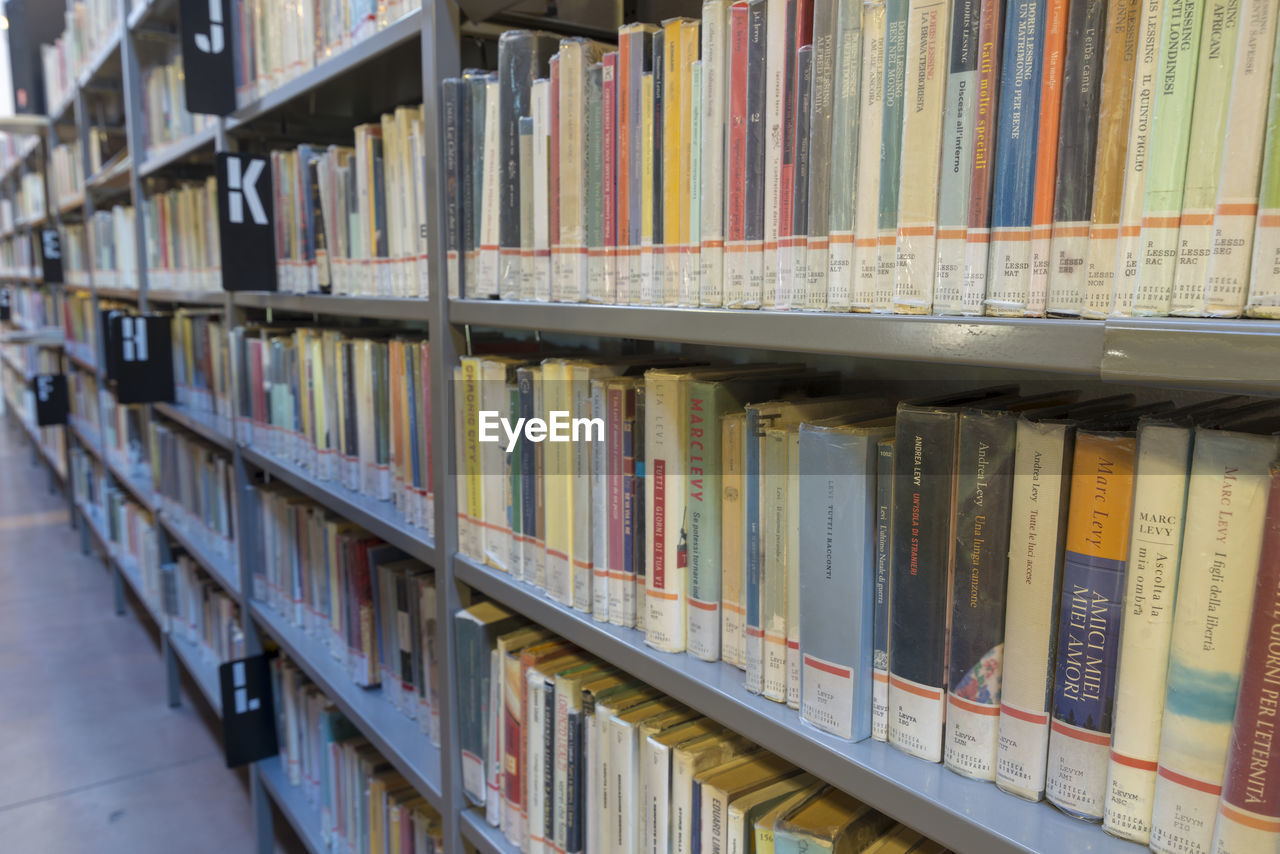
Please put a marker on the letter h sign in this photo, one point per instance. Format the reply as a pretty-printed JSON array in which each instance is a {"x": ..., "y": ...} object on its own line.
[{"x": 245, "y": 216}]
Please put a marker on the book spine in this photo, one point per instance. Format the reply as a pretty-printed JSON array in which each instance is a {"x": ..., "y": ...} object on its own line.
[
  {"x": 977, "y": 237},
  {"x": 1077, "y": 148},
  {"x": 838, "y": 490},
  {"x": 1155, "y": 540},
  {"x": 826, "y": 29},
  {"x": 454, "y": 92},
  {"x": 1088, "y": 625},
  {"x": 623, "y": 762},
  {"x": 793, "y": 570},
  {"x": 1013, "y": 194},
  {"x": 632, "y": 511},
  {"x": 515, "y": 74},
  {"x": 955, "y": 171},
  {"x": 753, "y": 625},
  {"x": 735, "y": 272},
  {"x": 490, "y": 197},
  {"x": 892, "y": 118},
  {"x": 540, "y": 97},
  {"x": 1226, "y": 509},
  {"x": 601, "y": 522},
  {"x": 665, "y": 593},
  {"x": 572, "y": 175},
  {"x": 555, "y": 156},
  {"x": 628, "y": 130},
  {"x": 610, "y": 184},
  {"x": 691, "y": 254},
  {"x": 843, "y": 155},
  {"x": 655, "y": 272},
  {"x": 1249, "y": 813},
  {"x": 1236, "y": 208},
  {"x": 614, "y": 482},
  {"x": 574, "y": 832},
  {"x": 703, "y": 514},
  {"x": 535, "y": 814},
  {"x": 773, "y": 563},
  {"x": 558, "y": 483},
  {"x": 470, "y": 414},
  {"x": 1180, "y": 43},
  {"x": 1264, "y": 292},
  {"x": 1037, "y": 532},
  {"x": 528, "y": 209},
  {"x": 731, "y": 539},
  {"x": 1120, "y": 55},
  {"x": 494, "y": 756},
  {"x": 642, "y": 284},
  {"x": 780, "y": 30},
  {"x": 513, "y": 762},
  {"x": 1209, "y": 130},
  {"x": 798, "y": 291},
  {"x": 869, "y": 133},
  {"x": 714, "y": 152},
  {"x": 580, "y": 460},
  {"x": 1051, "y": 80},
  {"x": 759, "y": 259},
  {"x": 987, "y": 447},
  {"x": 923, "y": 493},
  {"x": 673, "y": 141},
  {"x": 593, "y": 202},
  {"x": 883, "y": 580},
  {"x": 927, "y": 64}
]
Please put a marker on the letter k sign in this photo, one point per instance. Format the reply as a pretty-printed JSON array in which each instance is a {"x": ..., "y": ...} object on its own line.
[{"x": 242, "y": 189}]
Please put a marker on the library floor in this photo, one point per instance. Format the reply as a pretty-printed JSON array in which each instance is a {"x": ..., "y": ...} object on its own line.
[{"x": 92, "y": 758}]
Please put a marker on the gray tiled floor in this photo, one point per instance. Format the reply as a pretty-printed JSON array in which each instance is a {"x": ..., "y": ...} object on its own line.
[{"x": 91, "y": 757}]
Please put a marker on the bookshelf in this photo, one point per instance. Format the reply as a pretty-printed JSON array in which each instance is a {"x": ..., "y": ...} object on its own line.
[{"x": 1228, "y": 356}]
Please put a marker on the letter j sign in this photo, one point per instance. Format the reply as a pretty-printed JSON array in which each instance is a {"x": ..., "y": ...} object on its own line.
[{"x": 245, "y": 217}]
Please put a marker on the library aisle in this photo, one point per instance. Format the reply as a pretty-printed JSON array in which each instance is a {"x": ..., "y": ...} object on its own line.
[{"x": 103, "y": 763}]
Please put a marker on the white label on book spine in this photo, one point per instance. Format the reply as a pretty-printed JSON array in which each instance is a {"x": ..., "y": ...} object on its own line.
[
  {"x": 1264, "y": 286},
  {"x": 1024, "y": 740},
  {"x": 971, "y": 738},
  {"x": 704, "y": 629},
  {"x": 1076, "y": 776},
  {"x": 880, "y": 705},
  {"x": 916, "y": 714},
  {"x": 826, "y": 698}
]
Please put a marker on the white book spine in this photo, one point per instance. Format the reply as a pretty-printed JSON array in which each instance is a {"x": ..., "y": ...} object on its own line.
[
  {"x": 867, "y": 197},
  {"x": 599, "y": 511},
  {"x": 775, "y": 101},
  {"x": 715, "y": 97},
  {"x": 535, "y": 764},
  {"x": 540, "y": 109},
  {"x": 624, "y": 833},
  {"x": 487, "y": 274}
]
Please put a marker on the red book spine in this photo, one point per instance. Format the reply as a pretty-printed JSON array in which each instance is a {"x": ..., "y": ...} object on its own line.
[
  {"x": 786, "y": 185},
  {"x": 1249, "y": 817},
  {"x": 609, "y": 136},
  {"x": 739, "y": 47}
]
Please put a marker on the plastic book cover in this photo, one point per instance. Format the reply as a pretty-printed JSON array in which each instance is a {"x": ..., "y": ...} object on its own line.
[{"x": 836, "y": 280}]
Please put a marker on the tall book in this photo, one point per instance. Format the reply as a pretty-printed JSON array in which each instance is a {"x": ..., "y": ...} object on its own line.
[
  {"x": 1209, "y": 130},
  {"x": 826, "y": 31},
  {"x": 732, "y": 553},
  {"x": 846, "y": 72},
  {"x": 522, "y": 57},
  {"x": 735, "y": 190},
  {"x": 454, "y": 90},
  {"x": 675, "y": 157},
  {"x": 779, "y": 59},
  {"x": 1051, "y": 74},
  {"x": 593, "y": 161},
  {"x": 892, "y": 117},
  {"x": 1012, "y": 204},
  {"x": 1235, "y": 215},
  {"x": 575, "y": 58},
  {"x": 1119, "y": 60},
  {"x": 656, "y": 753},
  {"x": 798, "y": 291},
  {"x": 977, "y": 237},
  {"x": 714, "y": 151},
  {"x": 1037, "y": 534},
  {"x": 955, "y": 178},
  {"x": 1155, "y": 541},
  {"x": 837, "y": 585},
  {"x": 1181, "y": 40},
  {"x": 488, "y": 200},
  {"x": 748, "y": 809},
  {"x": 634, "y": 52},
  {"x": 1264, "y": 295},
  {"x": 609, "y": 150},
  {"x": 1217, "y": 575},
  {"x": 883, "y": 580},
  {"x": 721, "y": 785},
  {"x": 925, "y": 90},
  {"x": 1249, "y": 812},
  {"x": 1097, "y": 547},
  {"x": 655, "y": 272},
  {"x": 1077, "y": 149},
  {"x": 687, "y": 761},
  {"x": 540, "y": 99},
  {"x": 760, "y": 257},
  {"x": 866, "y": 214},
  {"x": 691, "y": 257}
]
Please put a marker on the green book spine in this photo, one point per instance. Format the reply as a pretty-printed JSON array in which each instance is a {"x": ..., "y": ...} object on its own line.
[
  {"x": 1264, "y": 286},
  {"x": 895, "y": 59},
  {"x": 846, "y": 104}
]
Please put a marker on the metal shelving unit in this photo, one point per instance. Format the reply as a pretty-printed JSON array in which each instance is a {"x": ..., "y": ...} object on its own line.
[
  {"x": 219, "y": 568},
  {"x": 203, "y": 424},
  {"x": 301, "y": 815}
]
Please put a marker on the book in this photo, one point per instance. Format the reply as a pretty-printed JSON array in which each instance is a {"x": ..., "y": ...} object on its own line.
[
  {"x": 1096, "y": 549},
  {"x": 759, "y": 258},
  {"x": 714, "y": 150},
  {"x": 846, "y": 118},
  {"x": 1226, "y": 513},
  {"x": 1247, "y": 815},
  {"x": 674, "y": 146},
  {"x": 977, "y": 227},
  {"x": 732, "y": 538},
  {"x": 576, "y": 56},
  {"x": 477, "y": 629},
  {"x": 1077, "y": 148},
  {"x": 1016, "y": 167},
  {"x": 625, "y": 769},
  {"x": 691, "y": 257},
  {"x": 1263, "y": 301},
  {"x": 925, "y": 89},
  {"x": 821, "y": 165},
  {"x": 1235, "y": 212},
  {"x": 866, "y": 213},
  {"x": 892, "y": 119},
  {"x": 1181, "y": 40},
  {"x": 657, "y": 751},
  {"x": 1206, "y": 146},
  {"x": 746, "y": 809},
  {"x": 594, "y": 187},
  {"x": 1155, "y": 542},
  {"x": 883, "y": 582},
  {"x": 1037, "y": 536},
  {"x": 1050, "y": 109},
  {"x": 611, "y": 151},
  {"x": 778, "y": 60},
  {"x": 1119, "y": 63},
  {"x": 838, "y": 486},
  {"x": 829, "y": 820},
  {"x": 720, "y": 785},
  {"x": 955, "y": 172}
]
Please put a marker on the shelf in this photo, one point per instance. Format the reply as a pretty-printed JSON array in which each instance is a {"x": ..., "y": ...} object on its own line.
[
  {"x": 126, "y": 294},
  {"x": 112, "y": 178},
  {"x": 134, "y": 581},
  {"x": 177, "y": 150},
  {"x": 386, "y": 727},
  {"x": 79, "y": 362},
  {"x": 407, "y": 309},
  {"x": 203, "y": 424},
  {"x": 203, "y": 671},
  {"x": 141, "y": 491},
  {"x": 71, "y": 206},
  {"x": 486, "y": 839},
  {"x": 293, "y": 804},
  {"x": 1229, "y": 355},
  {"x": 219, "y": 568},
  {"x": 407, "y": 28},
  {"x": 1061, "y": 346},
  {"x": 100, "y": 58},
  {"x": 191, "y": 297},
  {"x": 85, "y": 442},
  {"x": 377, "y": 517},
  {"x": 969, "y": 816}
]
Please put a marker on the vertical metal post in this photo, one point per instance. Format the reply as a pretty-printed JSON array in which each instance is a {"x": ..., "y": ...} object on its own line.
[
  {"x": 117, "y": 581},
  {"x": 262, "y": 820},
  {"x": 440, "y": 59},
  {"x": 131, "y": 83},
  {"x": 173, "y": 680}
]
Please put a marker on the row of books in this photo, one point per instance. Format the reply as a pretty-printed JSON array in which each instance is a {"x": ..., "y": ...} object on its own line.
[
  {"x": 345, "y": 222},
  {"x": 182, "y": 237},
  {"x": 80, "y": 324},
  {"x": 133, "y": 541},
  {"x": 17, "y": 364},
  {"x": 33, "y": 307},
  {"x": 203, "y": 614},
  {"x": 17, "y": 257},
  {"x": 368, "y": 603},
  {"x": 194, "y": 486},
  {"x": 25, "y": 205},
  {"x": 276, "y": 40},
  {"x": 90, "y": 26},
  {"x": 364, "y": 804},
  {"x": 202, "y": 365},
  {"x": 348, "y": 406},
  {"x": 765, "y": 157},
  {"x": 75, "y": 254},
  {"x": 84, "y": 405},
  {"x": 711, "y": 521},
  {"x": 113, "y": 247},
  {"x": 66, "y": 174},
  {"x": 165, "y": 116},
  {"x": 566, "y": 753},
  {"x": 126, "y": 437}
]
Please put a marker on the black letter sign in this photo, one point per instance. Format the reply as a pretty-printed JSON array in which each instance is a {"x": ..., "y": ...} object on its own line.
[
  {"x": 244, "y": 222},
  {"x": 207, "y": 62}
]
